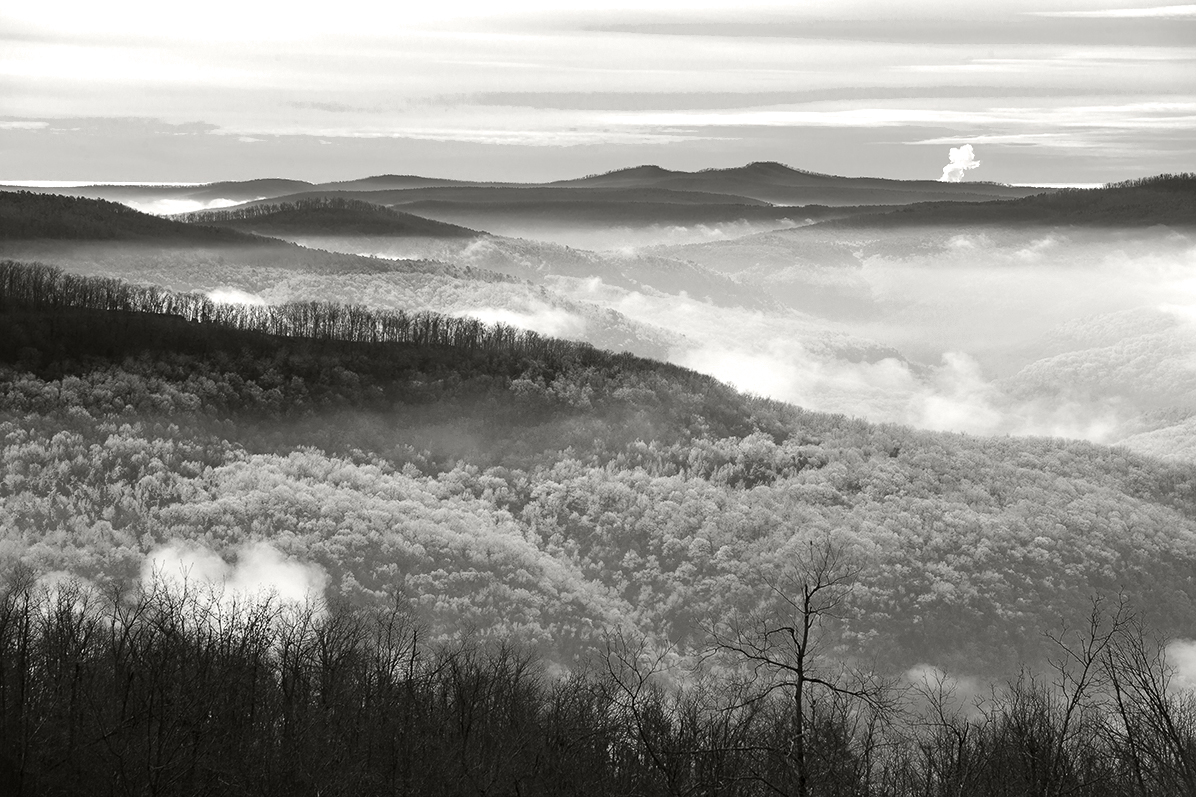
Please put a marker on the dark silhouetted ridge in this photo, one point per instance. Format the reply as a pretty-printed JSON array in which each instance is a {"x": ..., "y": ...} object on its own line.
[
  {"x": 1167, "y": 199},
  {"x": 780, "y": 184},
  {"x": 25, "y": 215},
  {"x": 392, "y": 182},
  {"x": 768, "y": 169},
  {"x": 326, "y": 215}
]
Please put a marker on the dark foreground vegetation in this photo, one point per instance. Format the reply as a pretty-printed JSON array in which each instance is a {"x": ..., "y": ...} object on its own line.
[{"x": 165, "y": 690}]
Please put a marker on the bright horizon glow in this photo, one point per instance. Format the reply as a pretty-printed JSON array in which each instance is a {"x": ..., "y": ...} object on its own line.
[
  {"x": 1078, "y": 91},
  {"x": 80, "y": 183}
]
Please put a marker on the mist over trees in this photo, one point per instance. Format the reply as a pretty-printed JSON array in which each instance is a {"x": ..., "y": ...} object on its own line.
[
  {"x": 544, "y": 568},
  {"x": 493, "y": 472}
]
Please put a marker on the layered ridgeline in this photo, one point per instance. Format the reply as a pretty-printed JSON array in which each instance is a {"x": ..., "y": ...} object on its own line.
[
  {"x": 518, "y": 486},
  {"x": 639, "y": 205},
  {"x": 1068, "y": 313},
  {"x": 354, "y": 227},
  {"x": 25, "y": 215},
  {"x": 100, "y": 238}
]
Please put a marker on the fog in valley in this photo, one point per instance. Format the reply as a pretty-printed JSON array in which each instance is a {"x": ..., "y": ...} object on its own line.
[
  {"x": 1056, "y": 331},
  {"x": 1066, "y": 333}
]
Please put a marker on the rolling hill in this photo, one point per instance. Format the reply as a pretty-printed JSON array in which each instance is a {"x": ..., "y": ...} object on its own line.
[
  {"x": 29, "y": 216},
  {"x": 1166, "y": 199},
  {"x": 227, "y": 192},
  {"x": 105, "y": 239},
  {"x": 325, "y": 216},
  {"x": 547, "y": 489}
]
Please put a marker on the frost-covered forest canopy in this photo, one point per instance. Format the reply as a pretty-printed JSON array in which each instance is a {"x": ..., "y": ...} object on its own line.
[{"x": 500, "y": 538}]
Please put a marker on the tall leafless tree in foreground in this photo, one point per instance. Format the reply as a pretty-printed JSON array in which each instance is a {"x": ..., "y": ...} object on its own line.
[{"x": 781, "y": 648}]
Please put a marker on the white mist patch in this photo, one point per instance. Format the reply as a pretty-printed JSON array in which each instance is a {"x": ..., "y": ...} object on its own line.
[
  {"x": 258, "y": 570},
  {"x": 1181, "y": 655},
  {"x": 934, "y": 689},
  {"x": 821, "y": 366},
  {"x": 629, "y": 240},
  {"x": 61, "y": 584},
  {"x": 235, "y": 296},
  {"x": 961, "y": 160},
  {"x": 169, "y": 207},
  {"x": 544, "y": 319}
]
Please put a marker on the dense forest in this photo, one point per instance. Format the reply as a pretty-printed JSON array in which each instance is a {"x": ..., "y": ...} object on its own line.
[
  {"x": 326, "y": 216},
  {"x": 540, "y": 567}
]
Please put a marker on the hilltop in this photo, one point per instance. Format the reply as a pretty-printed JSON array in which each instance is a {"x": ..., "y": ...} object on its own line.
[
  {"x": 326, "y": 216},
  {"x": 26, "y": 216},
  {"x": 1167, "y": 199}
]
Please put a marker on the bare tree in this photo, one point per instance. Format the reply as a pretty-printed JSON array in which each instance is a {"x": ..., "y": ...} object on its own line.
[
  {"x": 781, "y": 648},
  {"x": 1157, "y": 721}
]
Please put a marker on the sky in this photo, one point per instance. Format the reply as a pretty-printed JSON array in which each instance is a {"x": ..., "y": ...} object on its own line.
[{"x": 1044, "y": 91}]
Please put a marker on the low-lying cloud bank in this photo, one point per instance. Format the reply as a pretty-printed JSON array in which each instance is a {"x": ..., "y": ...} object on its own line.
[
  {"x": 538, "y": 317},
  {"x": 168, "y": 207},
  {"x": 1055, "y": 335},
  {"x": 258, "y": 570}
]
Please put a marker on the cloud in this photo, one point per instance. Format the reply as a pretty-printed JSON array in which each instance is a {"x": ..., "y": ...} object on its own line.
[
  {"x": 1181, "y": 655},
  {"x": 235, "y": 296},
  {"x": 258, "y": 570},
  {"x": 527, "y": 137},
  {"x": 1155, "y": 12},
  {"x": 541, "y": 318},
  {"x": 169, "y": 207},
  {"x": 1066, "y": 140},
  {"x": 964, "y": 338},
  {"x": 961, "y": 160}
]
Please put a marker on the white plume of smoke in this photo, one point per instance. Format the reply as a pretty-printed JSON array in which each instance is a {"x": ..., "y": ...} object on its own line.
[
  {"x": 962, "y": 159},
  {"x": 259, "y": 570}
]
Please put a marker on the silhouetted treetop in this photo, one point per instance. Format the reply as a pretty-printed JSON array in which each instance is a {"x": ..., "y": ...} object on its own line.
[{"x": 327, "y": 215}]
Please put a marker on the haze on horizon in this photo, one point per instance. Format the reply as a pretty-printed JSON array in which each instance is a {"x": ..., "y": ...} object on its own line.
[{"x": 1053, "y": 91}]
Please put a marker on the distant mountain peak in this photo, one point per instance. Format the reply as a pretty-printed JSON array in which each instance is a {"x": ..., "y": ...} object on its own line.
[
  {"x": 773, "y": 168},
  {"x": 644, "y": 170}
]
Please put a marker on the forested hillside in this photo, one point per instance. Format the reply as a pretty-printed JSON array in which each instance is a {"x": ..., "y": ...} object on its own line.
[
  {"x": 1168, "y": 199},
  {"x": 25, "y": 215},
  {"x": 488, "y": 473},
  {"x": 326, "y": 216},
  {"x": 480, "y": 509},
  {"x": 270, "y": 269}
]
